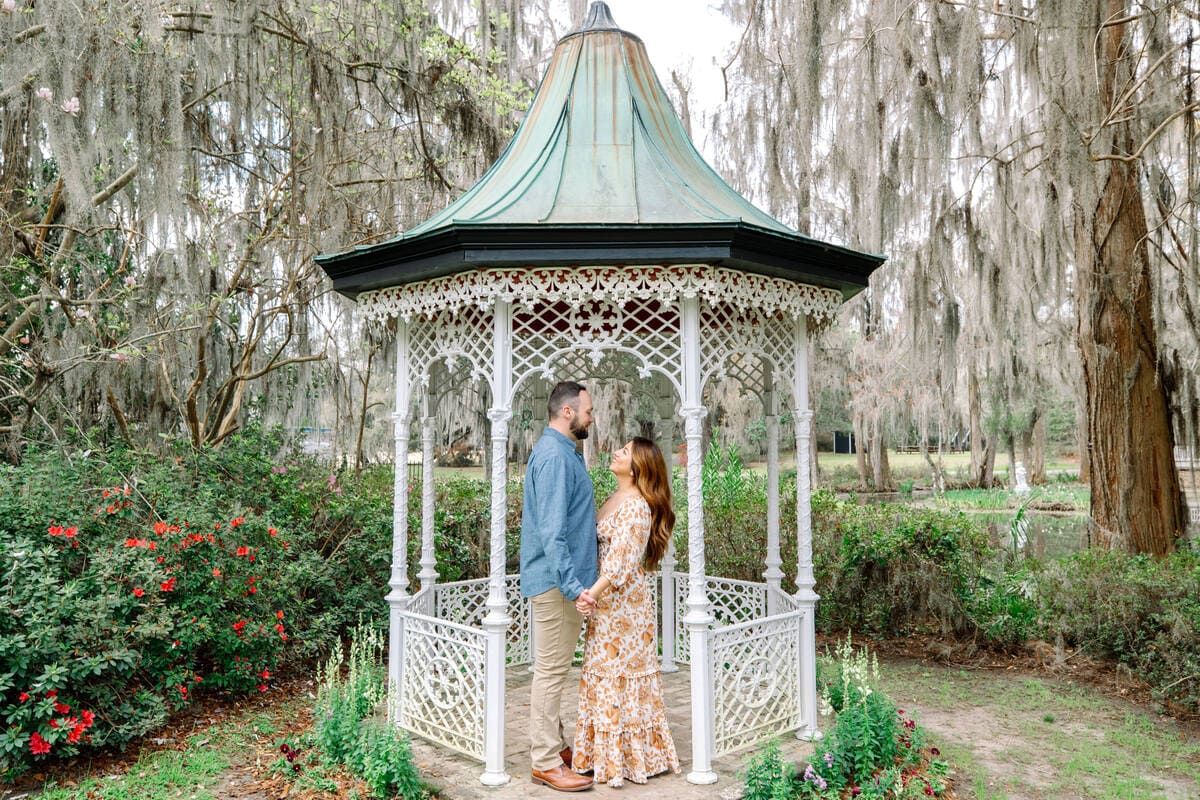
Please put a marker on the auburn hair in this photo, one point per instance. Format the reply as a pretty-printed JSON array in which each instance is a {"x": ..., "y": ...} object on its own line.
[{"x": 649, "y": 472}]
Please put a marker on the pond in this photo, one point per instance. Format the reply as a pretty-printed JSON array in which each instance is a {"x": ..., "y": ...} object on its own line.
[{"x": 1045, "y": 535}]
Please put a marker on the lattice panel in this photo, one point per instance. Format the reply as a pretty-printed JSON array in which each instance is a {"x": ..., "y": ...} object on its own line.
[
  {"x": 422, "y": 602},
  {"x": 443, "y": 684},
  {"x": 743, "y": 342},
  {"x": 462, "y": 341},
  {"x": 732, "y": 601},
  {"x": 560, "y": 338},
  {"x": 785, "y": 600},
  {"x": 465, "y": 603},
  {"x": 756, "y": 681}
]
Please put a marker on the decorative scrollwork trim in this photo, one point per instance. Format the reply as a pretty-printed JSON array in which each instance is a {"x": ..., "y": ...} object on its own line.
[{"x": 576, "y": 285}]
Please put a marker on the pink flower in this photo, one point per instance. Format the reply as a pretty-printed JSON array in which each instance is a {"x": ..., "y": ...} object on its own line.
[
  {"x": 45, "y": 94},
  {"x": 8, "y": 6},
  {"x": 71, "y": 106}
]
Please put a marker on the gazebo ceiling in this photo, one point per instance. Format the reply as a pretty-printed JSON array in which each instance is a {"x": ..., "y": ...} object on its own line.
[{"x": 601, "y": 172}]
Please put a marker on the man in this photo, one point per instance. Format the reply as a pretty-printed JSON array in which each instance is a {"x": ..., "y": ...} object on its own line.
[{"x": 558, "y": 562}]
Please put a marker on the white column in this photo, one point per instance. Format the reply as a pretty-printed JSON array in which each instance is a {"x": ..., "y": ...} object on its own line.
[
  {"x": 496, "y": 621},
  {"x": 773, "y": 573},
  {"x": 398, "y": 597},
  {"x": 699, "y": 615},
  {"x": 806, "y": 597},
  {"x": 428, "y": 573}
]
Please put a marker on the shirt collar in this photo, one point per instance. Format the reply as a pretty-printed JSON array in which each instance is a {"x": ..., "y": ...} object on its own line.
[{"x": 555, "y": 435}]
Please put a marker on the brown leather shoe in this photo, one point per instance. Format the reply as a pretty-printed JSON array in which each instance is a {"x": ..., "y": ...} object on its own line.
[
  {"x": 561, "y": 778},
  {"x": 566, "y": 755}
]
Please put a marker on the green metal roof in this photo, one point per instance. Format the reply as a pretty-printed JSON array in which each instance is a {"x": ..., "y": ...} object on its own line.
[{"x": 601, "y": 159}]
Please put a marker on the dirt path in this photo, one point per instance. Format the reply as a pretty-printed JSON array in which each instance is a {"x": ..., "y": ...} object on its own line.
[{"x": 1022, "y": 732}]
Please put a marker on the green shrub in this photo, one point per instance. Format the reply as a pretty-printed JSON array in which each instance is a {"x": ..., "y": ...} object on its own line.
[
  {"x": 346, "y": 726},
  {"x": 1143, "y": 612},
  {"x": 884, "y": 568}
]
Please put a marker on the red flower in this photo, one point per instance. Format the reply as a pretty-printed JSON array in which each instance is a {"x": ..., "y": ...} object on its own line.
[
  {"x": 88, "y": 718},
  {"x": 279, "y": 627},
  {"x": 233, "y": 523},
  {"x": 183, "y": 690},
  {"x": 272, "y": 531},
  {"x": 262, "y": 687},
  {"x": 168, "y": 585},
  {"x": 23, "y": 696},
  {"x": 37, "y": 745},
  {"x": 238, "y": 626},
  {"x": 160, "y": 528},
  {"x": 54, "y": 723},
  {"x": 266, "y": 673},
  {"x": 76, "y": 732},
  {"x": 253, "y": 590},
  {"x": 55, "y": 530},
  {"x": 138, "y": 591},
  {"x": 105, "y": 493},
  {"x": 70, "y": 532},
  {"x": 61, "y": 708},
  {"x": 243, "y": 550},
  {"x": 279, "y": 614},
  {"x": 132, "y": 542},
  {"x": 216, "y": 573},
  {"x": 52, "y": 693}
]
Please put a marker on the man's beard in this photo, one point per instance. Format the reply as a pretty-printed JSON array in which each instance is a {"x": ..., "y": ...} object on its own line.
[{"x": 578, "y": 431}]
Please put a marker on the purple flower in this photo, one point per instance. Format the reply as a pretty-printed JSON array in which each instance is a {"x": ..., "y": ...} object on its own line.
[{"x": 829, "y": 759}]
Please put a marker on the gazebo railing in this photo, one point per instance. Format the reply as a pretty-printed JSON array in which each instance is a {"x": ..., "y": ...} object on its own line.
[
  {"x": 465, "y": 602},
  {"x": 756, "y": 680},
  {"x": 443, "y": 686},
  {"x": 732, "y": 600}
]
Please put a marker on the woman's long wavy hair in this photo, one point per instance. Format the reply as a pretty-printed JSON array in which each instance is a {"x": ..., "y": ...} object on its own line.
[{"x": 652, "y": 480}]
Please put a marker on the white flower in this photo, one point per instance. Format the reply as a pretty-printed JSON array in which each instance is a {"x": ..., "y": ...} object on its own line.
[
  {"x": 8, "y": 6},
  {"x": 303, "y": 219},
  {"x": 130, "y": 280},
  {"x": 71, "y": 106},
  {"x": 80, "y": 313},
  {"x": 45, "y": 94}
]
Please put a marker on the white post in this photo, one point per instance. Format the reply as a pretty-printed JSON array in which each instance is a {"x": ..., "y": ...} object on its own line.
[
  {"x": 398, "y": 597},
  {"x": 699, "y": 615},
  {"x": 806, "y": 597},
  {"x": 496, "y": 621},
  {"x": 428, "y": 573},
  {"x": 773, "y": 573}
]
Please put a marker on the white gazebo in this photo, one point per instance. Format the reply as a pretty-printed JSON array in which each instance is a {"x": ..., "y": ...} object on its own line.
[{"x": 599, "y": 246}]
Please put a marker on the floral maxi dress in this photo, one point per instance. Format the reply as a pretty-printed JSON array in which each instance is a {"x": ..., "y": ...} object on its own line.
[{"x": 621, "y": 731}]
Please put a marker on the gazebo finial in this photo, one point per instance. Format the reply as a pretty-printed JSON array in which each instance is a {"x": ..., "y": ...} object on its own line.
[{"x": 599, "y": 18}]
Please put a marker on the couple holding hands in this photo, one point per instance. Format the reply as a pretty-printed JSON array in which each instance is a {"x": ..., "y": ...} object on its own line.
[{"x": 578, "y": 564}]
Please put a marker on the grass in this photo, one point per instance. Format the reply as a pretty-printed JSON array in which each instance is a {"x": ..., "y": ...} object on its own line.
[
  {"x": 1015, "y": 737},
  {"x": 162, "y": 774}
]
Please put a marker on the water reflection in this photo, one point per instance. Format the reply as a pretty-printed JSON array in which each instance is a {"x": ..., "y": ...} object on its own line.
[{"x": 1044, "y": 535}]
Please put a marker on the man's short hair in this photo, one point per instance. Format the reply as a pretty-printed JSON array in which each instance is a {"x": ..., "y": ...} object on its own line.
[{"x": 564, "y": 393}]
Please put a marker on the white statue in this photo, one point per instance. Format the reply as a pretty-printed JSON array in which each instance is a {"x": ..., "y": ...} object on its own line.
[{"x": 1020, "y": 486}]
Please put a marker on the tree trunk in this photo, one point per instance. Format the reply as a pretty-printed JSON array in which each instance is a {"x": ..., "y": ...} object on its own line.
[
  {"x": 861, "y": 457},
  {"x": 975, "y": 411},
  {"x": 1136, "y": 502},
  {"x": 882, "y": 472}
]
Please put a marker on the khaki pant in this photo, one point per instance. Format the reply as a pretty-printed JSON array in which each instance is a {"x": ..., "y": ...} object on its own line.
[{"x": 556, "y": 625}]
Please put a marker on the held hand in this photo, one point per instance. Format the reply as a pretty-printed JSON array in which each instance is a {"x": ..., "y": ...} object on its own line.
[{"x": 585, "y": 604}]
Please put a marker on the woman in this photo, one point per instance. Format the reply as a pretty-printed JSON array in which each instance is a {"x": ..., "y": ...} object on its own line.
[{"x": 621, "y": 732}]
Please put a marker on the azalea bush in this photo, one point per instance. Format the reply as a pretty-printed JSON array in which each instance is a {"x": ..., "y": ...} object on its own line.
[{"x": 115, "y": 622}]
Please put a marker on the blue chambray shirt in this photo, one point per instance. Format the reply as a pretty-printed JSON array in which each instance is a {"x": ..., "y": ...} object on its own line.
[{"x": 558, "y": 520}]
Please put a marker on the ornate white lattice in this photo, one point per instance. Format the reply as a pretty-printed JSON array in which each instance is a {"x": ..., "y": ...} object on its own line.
[
  {"x": 733, "y": 601},
  {"x": 744, "y": 343},
  {"x": 443, "y": 685},
  {"x": 464, "y": 603},
  {"x": 635, "y": 337},
  {"x": 756, "y": 677},
  {"x": 461, "y": 340},
  {"x": 618, "y": 285}
]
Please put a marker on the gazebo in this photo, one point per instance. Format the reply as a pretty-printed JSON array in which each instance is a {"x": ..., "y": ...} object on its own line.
[{"x": 601, "y": 246}]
